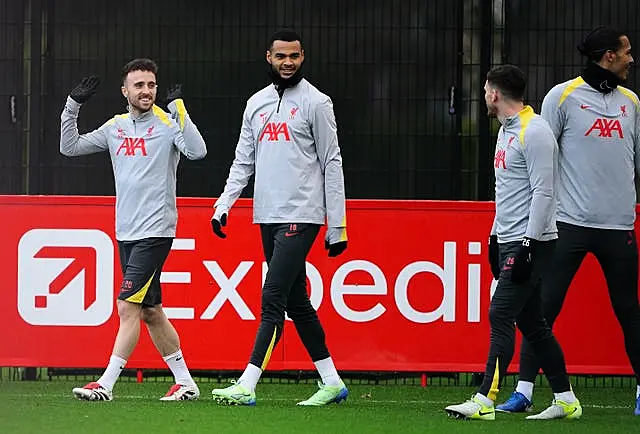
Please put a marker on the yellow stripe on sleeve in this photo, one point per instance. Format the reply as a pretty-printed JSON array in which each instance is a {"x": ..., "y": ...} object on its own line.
[
  {"x": 113, "y": 119},
  {"x": 526, "y": 114},
  {"x": 573, "y": 85},
  {"x": 161, "y": 115},
  {"x": 182, "y": 113},
  {"x": 629, "y": 94}
]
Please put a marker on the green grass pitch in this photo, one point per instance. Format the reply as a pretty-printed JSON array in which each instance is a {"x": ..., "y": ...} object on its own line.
[{"x": 49, "y": 407}]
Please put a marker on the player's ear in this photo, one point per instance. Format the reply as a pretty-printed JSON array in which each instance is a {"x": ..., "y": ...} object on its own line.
[
  {"x": 124, "y": 91},
  {"x": 611, "y": 56}
]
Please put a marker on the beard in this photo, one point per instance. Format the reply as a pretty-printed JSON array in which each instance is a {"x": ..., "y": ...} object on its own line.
[
  {"x": 139, "y": 106},
  {"x": 623, "y": 75},
  {"x": 284, "y": 83},
  {"x": 492, "y": 112}
]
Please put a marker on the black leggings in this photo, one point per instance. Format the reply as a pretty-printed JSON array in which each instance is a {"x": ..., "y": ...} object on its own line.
[
  {"x": 521, "y": 304},
  {"x": 617, "y": 253},
  {"x": 285, "y": 290}
]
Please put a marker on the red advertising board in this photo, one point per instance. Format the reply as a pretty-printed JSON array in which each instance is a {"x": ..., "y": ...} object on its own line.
[{"x": 411, "y": 293}]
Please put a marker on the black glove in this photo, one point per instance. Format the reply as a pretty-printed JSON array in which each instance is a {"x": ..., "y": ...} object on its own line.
[
  {"x": 174, "y": 92},
  {"x": 521, "y": 268},
  {"x": 217, "y": 222},
  {"x": 494, "y": 256},
  {"x": 335, "y": 249},
  {"x": 86, "y": 89}
]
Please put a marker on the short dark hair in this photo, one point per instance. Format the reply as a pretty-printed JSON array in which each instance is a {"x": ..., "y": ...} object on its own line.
[
  {"x": 510, "y": 80},
  {"x": 600, "y": 40},
  {"x": 287, "y": 35},
  {"x": 139, "y": 65}
]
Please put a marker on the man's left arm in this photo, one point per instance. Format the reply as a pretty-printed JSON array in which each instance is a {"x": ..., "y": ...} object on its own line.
[
  {"x": 188, "y": 140},
  {"x": 325, "y": 134},
  {"x": 541, "y": 153}
]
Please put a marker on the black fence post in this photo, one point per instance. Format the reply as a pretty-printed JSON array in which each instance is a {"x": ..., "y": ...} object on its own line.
[
  {"x": 455, "y": 108},
  {"x": 485, "y": 156},
  {"x": 35, "y": 99}
]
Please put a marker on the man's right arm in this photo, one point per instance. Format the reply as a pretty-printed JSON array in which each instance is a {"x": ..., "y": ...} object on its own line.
[
  {"x": 71, "y": 142},
  {"x": 242, "y": 168}
]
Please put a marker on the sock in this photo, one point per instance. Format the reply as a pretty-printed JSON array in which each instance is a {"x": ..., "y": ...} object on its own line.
[
  {"x": 328, "y": 372},
  {"x": 637, "y": 391},
  {"x": 484, "y": 400},
  {"x": 111, "y": 374},
  {"x": 179, "y": 369},
  {"x": 250, "y": 377},
  {"x": 567, "y": 396},
  {"x": 526, "y": 388}
]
